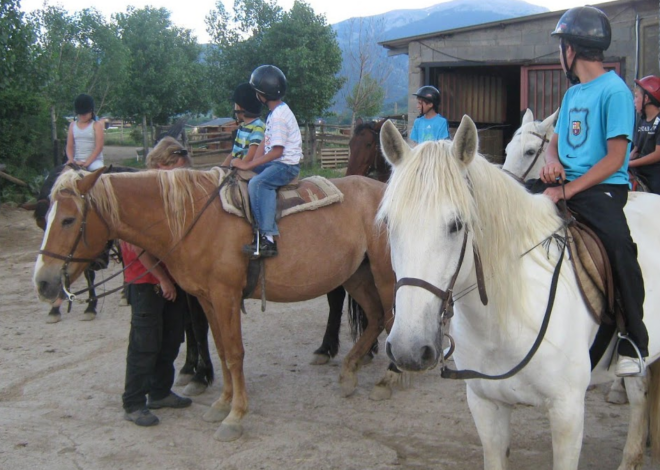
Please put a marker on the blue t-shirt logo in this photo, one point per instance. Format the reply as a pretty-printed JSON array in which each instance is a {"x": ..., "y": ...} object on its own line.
[{"x": 579, "y": 126}]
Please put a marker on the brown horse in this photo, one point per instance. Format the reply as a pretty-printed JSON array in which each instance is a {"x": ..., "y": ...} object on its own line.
[
  {"x": 366, "y": 157},
  {"x": 319, "y": 250}
]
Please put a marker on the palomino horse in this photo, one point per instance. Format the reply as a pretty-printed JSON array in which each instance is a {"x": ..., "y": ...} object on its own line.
[
  {"x": 445, "y": 205},
  {"x": 319, "y": 250}
]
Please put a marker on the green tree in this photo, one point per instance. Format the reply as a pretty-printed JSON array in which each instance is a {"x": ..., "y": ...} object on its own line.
[
  {"x": 366, "y": 98},
  {"x": 164, "y": 75},
  {"x": 299, "y": 42}
]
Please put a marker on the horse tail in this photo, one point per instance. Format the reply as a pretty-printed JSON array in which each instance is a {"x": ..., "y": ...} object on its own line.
[
  {"x": 357, "y": 321},
  {"x": 653, "y": 400}
]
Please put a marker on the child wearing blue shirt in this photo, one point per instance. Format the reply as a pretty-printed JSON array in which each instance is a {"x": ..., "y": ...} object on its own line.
[
  {"x": 247, "y": 112},
  {"x": 429, "y": 125},
  {"x": 277, "y": 159},
  {"x": 590, "y": 151}
]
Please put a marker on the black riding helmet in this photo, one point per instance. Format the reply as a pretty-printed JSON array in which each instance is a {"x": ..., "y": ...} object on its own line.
[
  {"x": 583, "y": 27},
  {"x": 430, "y": 94},
  {"x": 83, "y": 104},
  {"x": 586, "y": 27},
  {"x": 269, "y": 81},
  {"x": 244, "y": 97}
]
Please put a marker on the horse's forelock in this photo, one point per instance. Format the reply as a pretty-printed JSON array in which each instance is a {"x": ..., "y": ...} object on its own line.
[{"x": 371, "y": 125}]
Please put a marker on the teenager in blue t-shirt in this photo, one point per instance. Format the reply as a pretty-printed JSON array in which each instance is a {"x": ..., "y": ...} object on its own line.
[
  {"x": 429, "y": 125},
  {"x": 589, "y": 150}
]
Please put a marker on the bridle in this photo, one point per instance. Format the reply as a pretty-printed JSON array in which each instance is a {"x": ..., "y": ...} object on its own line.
[
  {"x": 544, "y": 141},
  {"x": 447, "y": 306},
  {"x": 68, "y": 259}
]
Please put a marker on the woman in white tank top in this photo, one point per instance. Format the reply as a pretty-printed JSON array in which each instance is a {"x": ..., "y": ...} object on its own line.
[{"x": 84, "y": 143}]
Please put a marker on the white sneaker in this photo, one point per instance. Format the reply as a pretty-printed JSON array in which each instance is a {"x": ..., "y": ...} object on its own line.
[{"x": 629, "y": 367}]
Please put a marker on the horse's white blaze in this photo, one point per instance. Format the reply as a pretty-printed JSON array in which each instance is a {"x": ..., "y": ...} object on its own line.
[
  {"x": 506, "y": 221},
  {"x": 40, "y": 258}
]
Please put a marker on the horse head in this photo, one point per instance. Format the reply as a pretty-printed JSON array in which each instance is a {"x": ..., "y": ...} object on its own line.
[
  {"x": 428, "y": 210},
  {"x": 525, "y": 154},
  {"x": 75, "y": 235},
  {"x": 365, "y": 153}
]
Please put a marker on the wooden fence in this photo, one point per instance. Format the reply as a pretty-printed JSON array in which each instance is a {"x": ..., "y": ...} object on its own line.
[{"x": 334, "y": 157}]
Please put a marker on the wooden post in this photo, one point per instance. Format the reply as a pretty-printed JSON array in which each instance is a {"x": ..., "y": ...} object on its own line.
[
  {"x": 145, "y": 146},
  {"x": 312, "y": 143}
]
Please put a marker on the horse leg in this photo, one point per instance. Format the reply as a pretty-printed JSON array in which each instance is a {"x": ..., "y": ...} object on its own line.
[
  {"x": 362, "y": 288},
  {"x": 222, "y": 406},
  {"x": 226, "y": 306},
  {"x": 567, "y": 426},
  {"x": 617, "y": 393},
  {"x": 330, "y": 345},
  {"x": 393, "y": 377},
  {"x": 493, "y": 422},
  {"x": 54, "y": 316},
  {"x": 188, "y": 370},
  {"x": 203, "y": 376},
  {"x": 633, "y": 452},
  {"x": 90, "y": 311}
]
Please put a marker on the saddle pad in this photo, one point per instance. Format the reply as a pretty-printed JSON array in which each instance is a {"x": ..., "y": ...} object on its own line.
[
  {"x": 310, "y": 194},
  {"x": 592, "y": 270}
]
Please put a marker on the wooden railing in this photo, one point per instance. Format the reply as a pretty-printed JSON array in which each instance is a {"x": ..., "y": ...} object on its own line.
[{"x": 334, "y": 157}]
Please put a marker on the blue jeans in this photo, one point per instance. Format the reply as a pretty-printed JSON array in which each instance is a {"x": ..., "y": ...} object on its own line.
[{"x": 263, "y": 193}]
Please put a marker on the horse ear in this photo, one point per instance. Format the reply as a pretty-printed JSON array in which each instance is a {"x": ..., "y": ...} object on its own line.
[
  {"x": 88, "y": 181},
  {"x": 549, "y": 122},
  {"x": 528, "y": 117},
  {"x": 466, "y": 140},
  {"x": 392, "y": 144},
  {"x": 358, "y": 122}
]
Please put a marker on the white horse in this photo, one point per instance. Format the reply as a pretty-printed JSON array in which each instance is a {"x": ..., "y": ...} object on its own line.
[{"x": 444, "y": 199}]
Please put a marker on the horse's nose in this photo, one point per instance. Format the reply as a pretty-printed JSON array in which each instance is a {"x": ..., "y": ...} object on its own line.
[
  {"x": 413, "y": 359},
  {"x": 42, "y": 287}
]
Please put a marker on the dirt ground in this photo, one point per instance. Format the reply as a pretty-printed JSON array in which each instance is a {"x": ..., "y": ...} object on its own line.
[{"x": 61, "y": 385}]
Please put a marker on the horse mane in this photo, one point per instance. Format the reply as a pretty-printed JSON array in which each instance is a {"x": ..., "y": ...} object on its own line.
[
  {"x": 177, "y": 188},
  {"x": 503, "y": 217}
]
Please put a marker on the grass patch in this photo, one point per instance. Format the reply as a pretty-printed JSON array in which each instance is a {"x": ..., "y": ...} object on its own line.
[
  {"x": 325, "y": 172},
  {"x": 115, "y": 137}
]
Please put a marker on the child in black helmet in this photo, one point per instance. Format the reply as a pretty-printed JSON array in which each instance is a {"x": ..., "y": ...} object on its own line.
[
  {"x": 429, "y": 125},
  {"x": 247, "y": 112},
  {"x": 277, "y": 160},
  {"x": 589, "y": 150},
  {"x": 84, "y": 143}
]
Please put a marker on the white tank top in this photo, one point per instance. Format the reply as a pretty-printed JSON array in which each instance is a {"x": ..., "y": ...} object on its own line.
[{"x": 84, "y": 142}]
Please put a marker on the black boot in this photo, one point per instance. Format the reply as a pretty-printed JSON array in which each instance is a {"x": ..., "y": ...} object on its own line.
[{"x": 267, "y": 249}]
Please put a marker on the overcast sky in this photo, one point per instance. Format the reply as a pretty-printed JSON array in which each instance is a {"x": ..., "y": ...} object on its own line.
[{"x": 191, "y": 14}]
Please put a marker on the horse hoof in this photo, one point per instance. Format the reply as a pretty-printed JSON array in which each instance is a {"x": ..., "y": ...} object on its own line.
[
  {"x": 380, "y": 393},
  {"x": 367, "y": 359},
  {"x": 54, "y": 318},
  {"x": 348, "y": 385},
  {"x": 215, "y": 415},
  {"x": 228, "y": 432},
  {"x": 183, "y": 380},
  {"x": 320, "y": 359},
  {"x": 616, "y": 397},
  {"x": 87, "y": 316},
  {"x": 194, "y": 388}
]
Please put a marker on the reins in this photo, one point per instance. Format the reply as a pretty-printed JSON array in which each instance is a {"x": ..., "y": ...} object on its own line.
[{"x": 448, "y": 300}]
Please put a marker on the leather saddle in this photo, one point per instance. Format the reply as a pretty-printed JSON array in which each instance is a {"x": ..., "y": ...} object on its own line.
[
  {"x": 299, "y": 195},
  {"x": 593, "y": 272}
]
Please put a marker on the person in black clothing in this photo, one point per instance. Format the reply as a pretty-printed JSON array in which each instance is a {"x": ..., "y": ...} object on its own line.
[{"x": 645, "y": 156}]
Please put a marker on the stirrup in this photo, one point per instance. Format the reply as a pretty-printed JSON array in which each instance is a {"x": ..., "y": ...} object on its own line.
[
  {"x": 256, "y": 253},
  {"x": 642, "y": 362}
]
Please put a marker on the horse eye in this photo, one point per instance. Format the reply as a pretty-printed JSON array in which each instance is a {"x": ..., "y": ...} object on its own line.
[
  {"x": 455, "y": 226},
  {"x": 68, "y": 221},
  {"x": 530, "y": 152}
]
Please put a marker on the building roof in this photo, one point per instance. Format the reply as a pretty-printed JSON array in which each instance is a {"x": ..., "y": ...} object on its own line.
[
  {"x": 400, "y": 45},
  {"x": 221, "y": 121}
]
